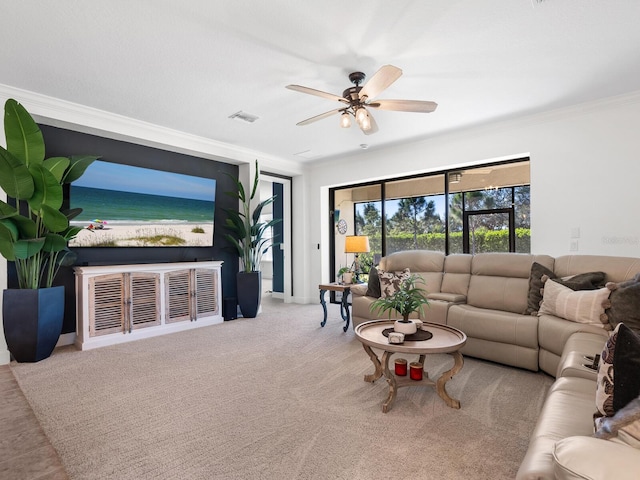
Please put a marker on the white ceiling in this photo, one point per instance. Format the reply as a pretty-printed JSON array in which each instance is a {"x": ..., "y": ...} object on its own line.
[{"x": 189, "y": 65}]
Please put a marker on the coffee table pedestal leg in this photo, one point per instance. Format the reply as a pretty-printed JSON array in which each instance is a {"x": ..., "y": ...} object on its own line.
[
  {"x": 448, "y": 375},
  {"x": 372, "y": 377},
  {"x": 391, "y": 380}
]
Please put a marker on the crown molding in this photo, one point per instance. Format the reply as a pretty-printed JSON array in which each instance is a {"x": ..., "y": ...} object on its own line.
[{"x": 73, "y": 116}]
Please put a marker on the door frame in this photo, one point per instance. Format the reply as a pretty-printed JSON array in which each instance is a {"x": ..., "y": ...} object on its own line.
[
  {"x": 286, "y": 244},
  {"x": 465, "y": 226}
]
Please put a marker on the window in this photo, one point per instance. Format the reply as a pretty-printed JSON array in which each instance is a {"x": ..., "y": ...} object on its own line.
[{"x": 477, "y": 209}]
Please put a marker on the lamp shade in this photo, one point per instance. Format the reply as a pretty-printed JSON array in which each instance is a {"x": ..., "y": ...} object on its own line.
[{"x": 356, "y": 244}]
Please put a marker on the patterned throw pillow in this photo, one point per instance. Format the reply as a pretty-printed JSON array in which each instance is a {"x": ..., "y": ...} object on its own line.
[
  {"x": 618, "y": 379},
  {"x": 583, "y": 306},
  {"x": 390, "y": 281}
]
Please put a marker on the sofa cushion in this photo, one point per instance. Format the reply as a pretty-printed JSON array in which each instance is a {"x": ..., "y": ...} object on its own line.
[
  {"x": 500, "y": 281},
  {"x": 457, "y": 273},
  {"x": 625, "y": 303},
  {"x": 567, "y": 411},
  {"x": 583, "y": 306},
  {"x": 373, "y": 284},
  {"x": 587, "y": 458},
  {"x": 617, "y": 269},
  {"x": 495, "y": 325},
  {"x": 416, "y": 260},
  {"x": 618, "y": 375},
  {"x": 390, "y": 281}
]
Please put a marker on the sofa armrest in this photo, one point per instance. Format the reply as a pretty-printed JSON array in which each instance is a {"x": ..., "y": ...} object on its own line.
[
  {"x": 359, "y": 289},
  {"x": 583, "y": 457}
]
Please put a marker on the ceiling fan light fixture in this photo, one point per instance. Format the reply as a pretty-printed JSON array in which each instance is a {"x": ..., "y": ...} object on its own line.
[
  {"x": 366, "y": 123},
  {"x": 345, "y": 120},
  {"x": 361, "y": 114}
]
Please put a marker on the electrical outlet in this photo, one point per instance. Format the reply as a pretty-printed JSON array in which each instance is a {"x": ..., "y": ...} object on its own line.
[
  {"x": 575, "y": 232},
  {"x": 573, "y": 246}
]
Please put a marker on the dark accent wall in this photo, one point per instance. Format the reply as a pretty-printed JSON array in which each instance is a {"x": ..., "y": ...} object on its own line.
[{"x": 62, "y": 142}]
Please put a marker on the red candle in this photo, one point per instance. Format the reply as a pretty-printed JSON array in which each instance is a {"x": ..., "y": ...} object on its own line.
[
  {"x": 415, "y": 372},
  {"x": 401, "y": 367}
]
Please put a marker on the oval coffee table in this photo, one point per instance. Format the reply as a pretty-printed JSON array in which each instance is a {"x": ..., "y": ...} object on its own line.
[{"x": 445, "y": 340}]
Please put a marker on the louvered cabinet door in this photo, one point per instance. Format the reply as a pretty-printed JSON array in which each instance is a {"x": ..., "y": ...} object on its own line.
[
  {"x": 145, "y": 300},
  {"x": 206, "y": 292},
  {"x": 178, "y": 293},
  {"x": 106, "y": 304}
]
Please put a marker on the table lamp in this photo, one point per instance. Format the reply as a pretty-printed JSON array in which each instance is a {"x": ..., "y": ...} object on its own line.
[{"x": 356, "y": 244}]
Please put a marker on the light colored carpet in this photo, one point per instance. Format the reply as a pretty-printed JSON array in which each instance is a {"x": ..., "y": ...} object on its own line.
[{"x": 276, "y": 397}]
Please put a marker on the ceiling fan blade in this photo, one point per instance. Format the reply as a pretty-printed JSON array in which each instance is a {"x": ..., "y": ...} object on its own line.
[
  {"x": 319, "y": 117},
  {"x": 373, "y": 128},
  {"x": 317, "y": 93},
  {"x": 380, "y": 81},
  {"x": 404, "y": 105}
]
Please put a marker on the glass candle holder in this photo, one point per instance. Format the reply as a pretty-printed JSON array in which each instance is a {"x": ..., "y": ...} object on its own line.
[
  {"x": 415, "y": 371},
  {"x": 401, "y": 367}
]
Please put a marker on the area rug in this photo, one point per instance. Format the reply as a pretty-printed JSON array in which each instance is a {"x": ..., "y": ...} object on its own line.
[{"x": 275, "y": 397}]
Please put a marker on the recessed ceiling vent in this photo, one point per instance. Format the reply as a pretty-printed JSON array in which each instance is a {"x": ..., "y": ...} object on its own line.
[{"x": 243, "y": 116}]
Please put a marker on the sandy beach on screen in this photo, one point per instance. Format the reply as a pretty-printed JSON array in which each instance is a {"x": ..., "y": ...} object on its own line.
[{"x": 156, "y": 235}]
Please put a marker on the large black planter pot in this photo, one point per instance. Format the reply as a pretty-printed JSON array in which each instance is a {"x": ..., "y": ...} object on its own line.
[
  {"x": 249, "y": 285},
  {"x": 32, "y": 321}
]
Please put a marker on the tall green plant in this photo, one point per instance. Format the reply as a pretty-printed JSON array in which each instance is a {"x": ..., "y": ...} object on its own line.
[
  {"x": 247, "y": 231},
  {"x": 35, "y": 233}
]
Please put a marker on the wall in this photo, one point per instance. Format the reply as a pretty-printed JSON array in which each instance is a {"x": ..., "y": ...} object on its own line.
[
  {"x": 62, "y": 142},
  {"x": 583, "y": 175},
  {"x": 583, "y": 164}
]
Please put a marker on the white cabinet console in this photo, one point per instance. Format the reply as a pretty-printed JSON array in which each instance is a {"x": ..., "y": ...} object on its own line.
[{"x": 120, "y": 303}]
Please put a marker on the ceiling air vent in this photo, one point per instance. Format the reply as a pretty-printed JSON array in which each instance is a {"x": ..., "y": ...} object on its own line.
[{"x": 243, "y": 116}]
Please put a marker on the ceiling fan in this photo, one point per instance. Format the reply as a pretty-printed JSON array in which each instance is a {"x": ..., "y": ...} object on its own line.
[{"x": 356, "y": 100}]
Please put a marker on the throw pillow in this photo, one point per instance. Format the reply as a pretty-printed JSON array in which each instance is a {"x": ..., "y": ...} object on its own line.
[
  {"x": 536, "y": 287},
  {"x": 540, "y": 274},
  {"x": 625, "y": 303},
  {"x": 583, "y": 281},
  {"x": 373, "y": 285},
  {"x": 583, "y": 306},
  {"x": 618, "y": 379},
  {"x": 390, "y": 281},
  {"x": 625, "y": 425}
]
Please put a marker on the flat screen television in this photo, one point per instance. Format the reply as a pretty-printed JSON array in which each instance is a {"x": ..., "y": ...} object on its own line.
[{"x": 127, "y": 206}]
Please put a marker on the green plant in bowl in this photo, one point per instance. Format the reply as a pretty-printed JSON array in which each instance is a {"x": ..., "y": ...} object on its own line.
[{"x": 409, "y": 298}]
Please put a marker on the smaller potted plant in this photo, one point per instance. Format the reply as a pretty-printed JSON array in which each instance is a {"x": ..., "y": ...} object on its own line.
[
  {"x": 409, "y": 298},
  {"x": 345, "y": 275}
]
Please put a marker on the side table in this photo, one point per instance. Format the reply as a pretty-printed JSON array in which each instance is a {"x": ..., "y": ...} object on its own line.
[{"x": 344, "y": 304}]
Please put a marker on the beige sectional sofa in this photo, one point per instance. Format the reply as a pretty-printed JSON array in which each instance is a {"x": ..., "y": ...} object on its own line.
[{"x": 486, "y": 296}]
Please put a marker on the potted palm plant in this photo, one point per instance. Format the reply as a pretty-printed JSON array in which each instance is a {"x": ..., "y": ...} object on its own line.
[
  {"x": 409, "y": 298},
  {"x": 249, "y": 237},
  {"x": 34, "y": 234}
]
